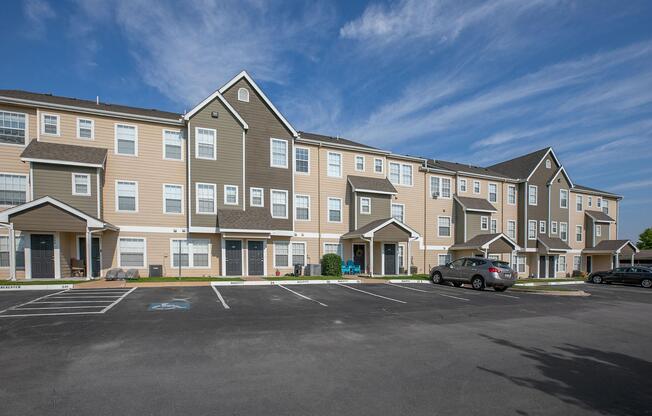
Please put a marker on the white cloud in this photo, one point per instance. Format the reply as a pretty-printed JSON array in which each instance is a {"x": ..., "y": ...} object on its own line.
[
  {"x": 647, "y": 183},
  {"x": 38, "y": 12}
]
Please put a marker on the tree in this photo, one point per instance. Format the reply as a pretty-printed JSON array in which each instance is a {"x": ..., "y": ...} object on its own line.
[{"x": 645, "y": 239}]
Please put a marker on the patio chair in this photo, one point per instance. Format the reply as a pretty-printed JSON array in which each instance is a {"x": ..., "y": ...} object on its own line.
[
  {"x": 345, "y": 268},
  {"x": 355, "y": 269},
  {"x": 77, "y": 268}
]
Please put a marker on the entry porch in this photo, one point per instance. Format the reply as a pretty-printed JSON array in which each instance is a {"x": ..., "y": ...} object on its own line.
[{"x": 609, "y": 254}]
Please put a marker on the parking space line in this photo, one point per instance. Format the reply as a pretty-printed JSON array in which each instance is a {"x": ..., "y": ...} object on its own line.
[
  {"x": 64, "y": 296},
  {"x": 302, "y": 296},
  {"x": 50, "y": 314},
  {"x": 427, "y": 291},
  {"x": 507, "y": 296},
  {"x": 75, "y": 301},
  {"x": 219, "y": 296},
  {"x": 118, "y": 300},
  {"x": 33, "y": 300},
  {"x": 60, "y": 307},
  {"x": 372, "y": 294}
]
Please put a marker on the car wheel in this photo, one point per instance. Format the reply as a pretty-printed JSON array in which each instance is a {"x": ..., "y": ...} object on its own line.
[
  {"x": 500, "y": 289},
  {"x": 477, "y": 282},
  {"x": 436, "y": 278},
  {"x": 597, "y": 279},
  {"x": 457, "y": 284},
  {"x": 646, "y": 283}
]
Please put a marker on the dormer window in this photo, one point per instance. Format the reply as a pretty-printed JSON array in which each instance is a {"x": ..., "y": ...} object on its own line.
[
  {"x": 548, "y": 164},
  {"x": 243, "y": 95}
]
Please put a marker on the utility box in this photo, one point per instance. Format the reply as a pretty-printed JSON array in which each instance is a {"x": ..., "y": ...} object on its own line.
[
  {"x": 313, "y": 270},
  {"x": 155, "y": 270}
]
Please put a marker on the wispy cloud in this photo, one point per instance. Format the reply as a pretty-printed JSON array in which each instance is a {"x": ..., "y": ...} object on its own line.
[
  {"x": 647, "y": 183},
  {"x": 38, "y": 13}
]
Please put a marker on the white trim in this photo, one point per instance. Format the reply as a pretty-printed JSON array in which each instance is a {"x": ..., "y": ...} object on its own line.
[
  {"x": 328, "y": 210},
  {"x": 145, "y": 263},
  {"x": 88, "y": 187},
  {"x": 561, "y": 191},
  {"x": 566, "y": 224},
  {"x": 515, "y": 231},
  {"x": 271, "y": 153},
  {"x": 92, "y": 128},
  {"x": 157, "y": 230},
  {"x": 486, "y": 245},
  {"x": 262, "y": 197},
  {"x": 214, "y": 157},
  {"x": 28, "y": 185},
  {"x": 459, "y": 185},
  {"x": 163, "y": 131},
  {"x": 549, "y": 151},
  {"x": 58, "y": 117},
  {"x": 489, "y": 192},
  {"x": 295, "y": 160},
  {"x": 554, "y": 229},
  {"x": 26, "y": 137},
  {"x": 251, "y": 82},
  {"x": 373, "y": 191},
  {"x": 243, "y": 98},
  {"x": 61, "y": 162},
  {"x": 479, "y": 187},
  {"x": 309, "y": 207},
  {"x": 237, "y": 195},
  {"x": 271, "y": 203},
  {"x": 581, "y": 233},
  {"x": 397, "y": 204},
  {"x": 510, "y": 186},
  {"x": 382, "y": 165},
  {"x": 560, "y": 170},
  {"x": 214, "y": 186},
  {"x": 484, "y": 223},
  {"x": 190, "y": 253},
  {"x": 413, "y": 233},
  {"x": 368, "y": 204},
  {"x": 182, "y": 199},
  {"x": 115, "y": 139},
  {"x": 226, "y": 104},
  {"x": 328, "y": 164},
  {"x": 355, "y": 163},
  {"x": 450, "y": 226},
  {"x": 536, "y": 195},
  {"x": 91, "y": 222},
  {"x": 117, "y": 201},
  {"x": 542, "y": 227},
  {"x": 536, "y": 230},
  {"x": 441, "y": 187}
]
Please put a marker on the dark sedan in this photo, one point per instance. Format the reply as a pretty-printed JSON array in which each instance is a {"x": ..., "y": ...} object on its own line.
[{"x": 638, "y": 275}]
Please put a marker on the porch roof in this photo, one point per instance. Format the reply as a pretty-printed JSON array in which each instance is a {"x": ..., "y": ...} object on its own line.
[
  {"x": 612, "y": 247},
  {"x": 371, "y": 185},
  {"x": 475, "y": 204},
  {"x": 487, "y": 242},
  {"x": 599, "y": 216},
  {"x": 369, "y": 230},
  {"x": 552, "y": 244},
  {"x": 64, "y": 154}
]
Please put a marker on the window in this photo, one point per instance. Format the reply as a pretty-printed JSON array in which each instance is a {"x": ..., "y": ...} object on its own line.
[
  {"x": 443, "y": 259},
  {"x": 542, "y": 227},
  {"x": 334, "y": 165},
  {"x": 563, "y": 198},
  {"x": 440, "y": 187},
  {"x": 493, "y": 192},
  {"x": 400, "y": 174},
  {"x": 590, "y": 201},
  {"x": 395, "y": 173},
  {"x": 205, "y": 193},
  {"x": 563, "y": 231},
  {"x": 443, "y": 226},
  {"x": 190, "y": 253},
  {"x": 548, "y": 164},
  {"x": 379, "y": 165},
  {"x": 561, "y": 264},
  {"x": 4, "y": 251},
  {"x": 365, "y": 205},
  {"x": 298, "y": 254},
  {"x": 126, "y": 140},
  {"x": 484, "y": 223},
  {"x": 476, "y": 187},
  {"x": 578, "y": 233},
  {"x": 511, "y": 194},
  {"x": 256, "y": 197},
  {"x": 132, "y": 252},
  {"x": 301, "y": 160},
  {"x": 494, "y": 226},
  {"x": 461, "y": 187},
  {"x": 605, "y": 206},
  {"x": 243, "y": 95},
  {"x": 85, "y": 129},
  {"x": 398, "y": 212},
  {"x": 579, "y": 203},
  {"x": 172, "y": 199},
  {"x": 532, "y": 195},
  {"x": 598, "y": 202},
  {"x": 281, "y": 252},
  {"x": 81, "y": 184},
  {"x": 334, "y": 210},
  {"x": 520, "y": 264},
  {"x": 279, "y": 153},
  {"x": 400, "y": 253},
  {"x": 231, "y": 195},
  {"x": 279, "y": 204},
  {"x": 406, "y": 175},
  {"x": 172, "y": 145},
  {"x": 493, "y": 257},
  {"x": 532, "y": 230},
  {"x": 511, "y": 229},
  {"x": 553, "y": 227},
  {"x": 20, "y": 252},
  {"x": 127, "y": 196},
  {"x": 50, "y": 124},
  {"x": 13, "y": 189},
  {"x": 598, "y": 230},
  {"x": 205, "y": 143},
  {"x": 359, "y": 163},
  {"x": 577, "y": 262},
  {"x": 302, "y": 207},
  {"x": 333, "y": 248},
  {"x": 12, "y": 128}
]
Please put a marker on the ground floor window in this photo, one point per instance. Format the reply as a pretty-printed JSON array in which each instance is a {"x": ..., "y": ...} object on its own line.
[
  {"x": 333, "y": 248},
  {"x": 131, "y": 252},
  {"x": 443, "y": 259},
  {"x": 494, "y": 257},
  {"x": 577, "y": 262},
  {"x": 20, "y": 252},
  {"x": 518, "y": 263},
  {"x": 190, "y": 253},
  {"x": 284, "y": 249},
  {"x": 561, "y": 264},
  {"x": 401, "y": 257}
]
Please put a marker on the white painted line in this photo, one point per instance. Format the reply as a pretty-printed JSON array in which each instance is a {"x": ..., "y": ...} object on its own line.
[
  {"x": 302, "y": 296},
  {"x": 427, "y": 291},
  {"x": 118, "y": 300},
  {"x": 372, "y": 294},
  {"x": 286, "y": 282},
  {"x": 50, "y": 314},
  {"x": 60, "y": 307},
  {"x": 219, "y": 296},
  {"x": 409, "y": 281},
  {"x": 35, "y": 287},
  {"x": 573, "y": 282},
  {"x": 66, "y": 296},
  {"x": 73, "y": 301},
  {"x": 507, "y": 296},
  {"x": 33, "y": 300}
]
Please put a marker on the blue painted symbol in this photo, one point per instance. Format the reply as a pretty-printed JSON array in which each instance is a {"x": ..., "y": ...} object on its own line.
[{"x": 174, "y": 305}]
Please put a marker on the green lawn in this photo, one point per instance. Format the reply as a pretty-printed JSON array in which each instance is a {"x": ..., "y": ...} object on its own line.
[
  {"x": 184, "y": 279},
  {"x": 535, "y": 280},
  {"x": 41, "y": 282}
]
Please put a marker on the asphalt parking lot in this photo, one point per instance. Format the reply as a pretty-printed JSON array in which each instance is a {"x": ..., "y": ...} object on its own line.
[{"x": 326, "y": 349}]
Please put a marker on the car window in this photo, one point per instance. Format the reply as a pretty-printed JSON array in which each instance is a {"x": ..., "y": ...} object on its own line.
[
  {"x": 640, "y": 270},
  {"x": 621, "y": 269},
  {"x": 474, "y": 262},
  {"x": 501, "y": 264},
  {"x": 457, "y": 263}
]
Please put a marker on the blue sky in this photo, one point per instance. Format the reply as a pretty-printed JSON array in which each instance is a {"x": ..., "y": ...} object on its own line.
[{"x": 475, "y": 82}]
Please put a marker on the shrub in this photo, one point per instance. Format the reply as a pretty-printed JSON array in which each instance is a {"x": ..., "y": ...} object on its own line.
[{"x": 331, "y": 265}]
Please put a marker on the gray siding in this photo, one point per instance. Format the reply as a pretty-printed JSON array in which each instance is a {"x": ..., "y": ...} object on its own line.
[
  {"x": 588, "y": 226},
  {"x": 473, "y": 224},
  {"x": 56, "y": 181},
  {"x": 540, "y": 178},
  {"x": 380, "y": 208},
  {"x": 556, "y": 212},
  {"x": 47, "y": 218},
  {"x": 605, "y": 233},
  {"x": 458, "y": 220}
]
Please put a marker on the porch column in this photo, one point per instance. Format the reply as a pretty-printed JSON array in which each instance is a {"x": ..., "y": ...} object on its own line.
[
  {"x": 617, "y": 260},
  {"x": 408, "y": 261},
  {"x": 632, "y": 263},
  {"x": 89, "y": 263},
  {"x": 371, "y": 257},
  {"x": 12, "y": 252}
]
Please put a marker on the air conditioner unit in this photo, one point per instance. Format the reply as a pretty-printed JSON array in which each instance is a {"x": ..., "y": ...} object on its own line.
[{"x": 435, "y": 195}]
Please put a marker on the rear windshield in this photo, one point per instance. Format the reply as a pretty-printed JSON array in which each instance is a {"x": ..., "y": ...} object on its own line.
[{"x": 501, "y": 264}]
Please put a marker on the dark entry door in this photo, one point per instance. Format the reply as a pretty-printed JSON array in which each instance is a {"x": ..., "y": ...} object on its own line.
[
  {"x": 551, "y": 266},
  {"x": 390, "y": 258},
  {"x": 542, "y": 266},
  {"x": 359, "y": 256},
  {"x": 95, "y": 254},
  {"x": 233, "y": 258},
  {"x": 42, "y": 256},
  {"x": 589, "y": 264},
  {"x": 256, "y": 262}
]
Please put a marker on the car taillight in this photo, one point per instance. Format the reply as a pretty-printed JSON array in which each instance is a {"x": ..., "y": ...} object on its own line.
[{"x": 493, "y": 270}]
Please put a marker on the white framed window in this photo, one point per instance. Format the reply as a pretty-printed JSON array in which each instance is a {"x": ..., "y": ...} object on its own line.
[
  {"x": 440, "y": 187},
  {"x": 563, "y": 198},
  {"x": 281, "y": 254},
  {"x": 493, "y": 192},
  {"x": 443, "y": 259},
  {"x": 406, "y": 175},
  {"x": 302, "y": 207},
  {"x": 461, "y": 187},
  {"x": 443, "y": 226},
  {"x": 19, "y": 255},
  {"x": 126, "y": 195},
  {"x": 298, "y": 253},
  {"x": 172, "y": 145},
  {"x": 231, "y": 195},
  {"x": 518, "y": 263},
  {"x": 579, "y": 203},
  {"x": 302, "y": 160},
  {"x": 563, "y": 231},
  {"x": 493, "y": 257},
  {"x": 256, "y": 197},
  {"x": 279, "y": 203},
  {"x": 172, "y": 199},
  {"x": 333, "y": 248},
  {"x": 484, "y": 223},
  {"x": 50, "y": 124},
  {"x": 494, "y": 226},
  {"x": 511, "y": 194},
  {"x": 511, "y": 229},
  {"x": 598, "y": 202},
  {"x": 476, "y": 187},
  {"x": 205, "y": 198},
  {"x": 553, "y": 227},
  {"x": 205, "y": 143},
  {"x": 598, "y": 230},
  {"x": 278, "y": 153},
  {"x": 359, "y": 163},
  {"x": 126, "y": 140},
  {"x": 334, "y": 210},
  {"x": 85, "y": 128},
  {"x": 398, "y": 212},
  {"x": 394, "y": 173},
  {"x": 400, "y": 253},
  {"x": 81, "y": 184},
  {"x": 532, "y": 230},
  {"x": 379, "y": 165},
  {"x": 532, "y": 195},
  {"x": 193, "y": 253},
  {"x": 577, "y": 262},
  {"x": 542, "y": 227},
  {"x": 334, "y": 165},
  {"x": 243, "y": 95},
  {"x": 590, "y": 201},
  {"x": 548, "y": 164},
  {"x": 365, "y": 205},
  {"x": 13, "y": 189},
  {"x": 132, "y": 252},
  {"x": 605, "y": 206},
  {"x": 561, "y": 263},
  {"x": 578, "y": 233},
  {"x": 13, "y": 128}
]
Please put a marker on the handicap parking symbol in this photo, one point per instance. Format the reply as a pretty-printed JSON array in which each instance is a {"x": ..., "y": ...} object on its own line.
[{"x": 174, "y": 305}]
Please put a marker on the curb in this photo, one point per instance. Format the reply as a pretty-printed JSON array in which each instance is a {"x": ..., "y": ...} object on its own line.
[
  {"x": 408, "y": 281},
  {"x": 575, "y": 282},
  {"x": 36, "y": 287},
  {"x": 284, "y": 282}
]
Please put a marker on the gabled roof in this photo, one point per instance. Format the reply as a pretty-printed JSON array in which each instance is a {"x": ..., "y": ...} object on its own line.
[
  {"x": 561, "y": 170},
  {"x": 475, "y": 204},
  {"x": 463, "y": 168},
  {"x": 611, "y": 246},
  {"x": 552, "y": 243},
  {"x": 260, "y": 92},
  {"x": 336, "y": 141},
  {"x": 599, "y": 216},
  {"x": 369, "y": 229},
  {"x": 216, "y": 95},
  {"x": 583, "y": 188},
  {"x": 371, "y": 185},
  {"x": 64, "y": 154},
  {"x": 522, "y": 167},
  {"x": 483, "y": 241}
]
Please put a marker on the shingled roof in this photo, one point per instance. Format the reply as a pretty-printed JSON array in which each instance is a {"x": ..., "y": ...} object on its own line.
[
  {"x": 464, "y": 168},
  {"x": 64, "y": 153},
  {"x": 520, "y": 167},
  {"x": 253, "y": 218},
  {"x": 599, "y": 216},
  {"x": 372, "y": 185},
  {"x": 334, "y": 140},
  {"x": 552, "y": 243},
  {"x": 593, "y": 190},
  {"x": 475, "y": 204},
  {"x": 611, "y": 246}
]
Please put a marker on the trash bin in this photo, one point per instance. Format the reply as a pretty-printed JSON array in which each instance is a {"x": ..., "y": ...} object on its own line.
[{"x": 297, "y": 270}]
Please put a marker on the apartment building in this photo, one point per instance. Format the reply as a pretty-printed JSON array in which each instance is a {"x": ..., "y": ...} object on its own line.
[{"x": 231, "y": 188}]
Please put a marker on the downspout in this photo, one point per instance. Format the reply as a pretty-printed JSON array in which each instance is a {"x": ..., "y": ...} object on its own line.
[
  {"x": 425, "y": 222},
  {"x": 319, "y": 248}
]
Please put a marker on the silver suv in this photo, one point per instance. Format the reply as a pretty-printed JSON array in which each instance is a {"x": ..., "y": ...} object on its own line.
[{"x": 478, "y": 271}]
